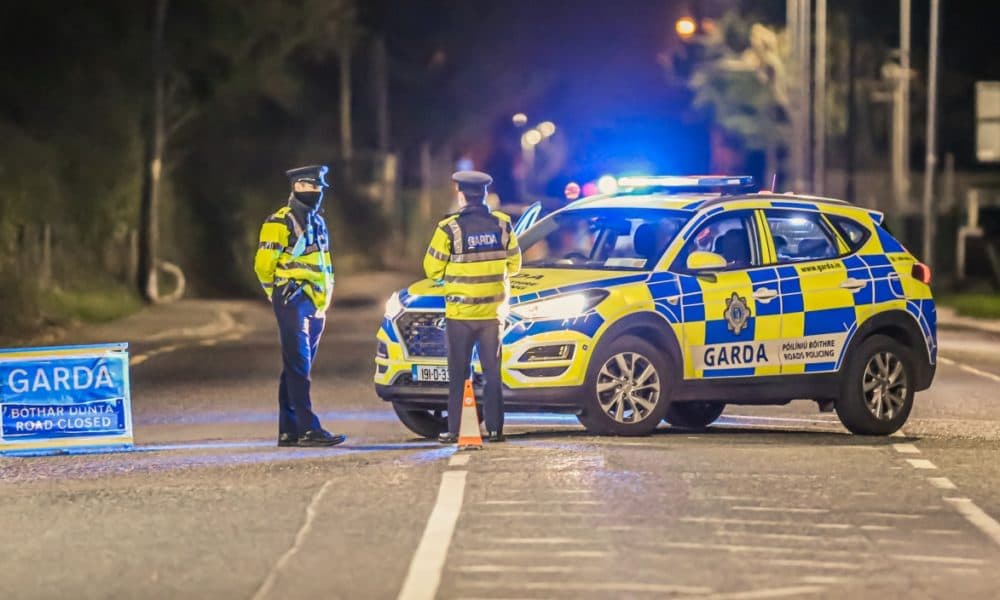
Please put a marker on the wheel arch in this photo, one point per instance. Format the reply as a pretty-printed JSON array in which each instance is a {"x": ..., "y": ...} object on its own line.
[
  {"x": 902, "y": 327},
  {"x": 651, "y": 327}
]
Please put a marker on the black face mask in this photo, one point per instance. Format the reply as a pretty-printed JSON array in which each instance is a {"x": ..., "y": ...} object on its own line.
[{"x": 310, "y": 199}]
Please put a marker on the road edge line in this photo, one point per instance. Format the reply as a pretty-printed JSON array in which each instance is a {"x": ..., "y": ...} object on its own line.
[
  {"x": 977, "y": 516},
  {"x": 424, "y": 576},
  {"x": 272, "y": 577}
]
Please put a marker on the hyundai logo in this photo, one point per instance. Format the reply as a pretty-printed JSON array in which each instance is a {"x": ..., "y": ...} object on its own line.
[{"x": 440, "y": 323}]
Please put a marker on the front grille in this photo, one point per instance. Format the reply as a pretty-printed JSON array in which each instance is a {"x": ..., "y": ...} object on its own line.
[{"x": 421, "y": 334}]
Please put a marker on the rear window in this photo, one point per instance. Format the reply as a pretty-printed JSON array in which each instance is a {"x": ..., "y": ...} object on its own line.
[{"x": 854, "y": 233}]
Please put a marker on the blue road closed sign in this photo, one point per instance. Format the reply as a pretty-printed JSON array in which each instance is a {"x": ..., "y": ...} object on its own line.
[{"x": 65, "y": 399}]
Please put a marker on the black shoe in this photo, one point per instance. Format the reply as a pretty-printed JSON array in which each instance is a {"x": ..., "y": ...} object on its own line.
[
  {"x": 497, "y": 436},
  {"x": 288, "y": 439},
  {"x": 448, "y": 438},
  {"x": 320, "y": 437}
]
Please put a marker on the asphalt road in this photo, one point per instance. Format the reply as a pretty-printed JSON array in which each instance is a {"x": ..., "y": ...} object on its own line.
[{"x": 770, "y": 503}]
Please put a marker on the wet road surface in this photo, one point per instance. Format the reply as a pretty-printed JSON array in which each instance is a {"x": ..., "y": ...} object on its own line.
[{"x": 769, "y": 503}]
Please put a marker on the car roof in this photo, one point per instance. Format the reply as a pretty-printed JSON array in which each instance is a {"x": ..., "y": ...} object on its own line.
[{"x": 696, "y": 201}]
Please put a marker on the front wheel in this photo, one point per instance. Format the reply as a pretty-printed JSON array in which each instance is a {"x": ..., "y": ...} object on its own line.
[
  {"x": 877, "y": 393},
  {"x": 694, "y": 415},
  {"x": 423, "y": 422},
  {"x": 627, "y": 389}
]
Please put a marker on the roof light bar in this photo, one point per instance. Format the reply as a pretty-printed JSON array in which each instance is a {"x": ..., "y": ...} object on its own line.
[{"x": 692, "y": 181}]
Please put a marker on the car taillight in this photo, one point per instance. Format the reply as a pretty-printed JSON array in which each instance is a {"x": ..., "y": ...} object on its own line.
[{"x": 921, "y": 272}]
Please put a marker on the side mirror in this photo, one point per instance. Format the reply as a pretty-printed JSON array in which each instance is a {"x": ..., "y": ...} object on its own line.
[{"x": 705, "y": 261}]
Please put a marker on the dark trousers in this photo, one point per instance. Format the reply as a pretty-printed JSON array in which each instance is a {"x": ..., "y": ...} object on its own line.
[
  {"x": 299, "y": 330},
  {"x": 463, "y": 334}
]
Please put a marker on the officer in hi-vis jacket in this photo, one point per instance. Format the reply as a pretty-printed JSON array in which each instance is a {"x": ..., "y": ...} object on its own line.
[
  {"x": 473, "y": 252},
  {"x": 293, "y": 265}
]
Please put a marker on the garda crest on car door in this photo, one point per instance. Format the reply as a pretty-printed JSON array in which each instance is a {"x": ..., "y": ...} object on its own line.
[{"x": 731, "y": 316}]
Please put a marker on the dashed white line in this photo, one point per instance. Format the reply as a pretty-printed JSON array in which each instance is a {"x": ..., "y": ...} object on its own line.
[
  {"x": 514, "y": 569},
  {"x": 265, "y": 588},
  {"x": 424, "y": 576},
  {"x": 942, "y": 483},
  {"x": 782, "y": 509},
  {"x": 968, "y": 369},
  {"x": 906, "y": 448},
  {"x": 783, "y": 592},
  {"x": 459, "y": 460},
  {"x": 921, "y": 463},
  {"x": 977, "y": 516},
  {"x": 618, "y": 587}
]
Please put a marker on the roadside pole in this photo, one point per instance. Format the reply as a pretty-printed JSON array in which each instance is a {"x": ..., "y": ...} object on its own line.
[
  {"x": 819, "y": 101},
  {"x": 931, "y": 159}
]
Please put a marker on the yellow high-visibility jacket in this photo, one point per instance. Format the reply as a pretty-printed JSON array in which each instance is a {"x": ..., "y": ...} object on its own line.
[
  {"x": 291, "y": 251},
  {"x": 473, "y": 252}
]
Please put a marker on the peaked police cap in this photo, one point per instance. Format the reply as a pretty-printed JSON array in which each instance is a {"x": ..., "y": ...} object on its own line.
[{"x": 314, "y": 174}]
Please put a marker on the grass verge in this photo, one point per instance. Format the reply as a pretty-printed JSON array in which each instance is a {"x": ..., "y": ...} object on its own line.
[
  {"x": 107, "y": 303},
  {"x": 972, "y": 304}
]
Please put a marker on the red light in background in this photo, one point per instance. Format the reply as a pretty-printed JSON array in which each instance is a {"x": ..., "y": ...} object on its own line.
[
  {"x": 590, "y": 189},
  {"x": 572, "y": 190}
]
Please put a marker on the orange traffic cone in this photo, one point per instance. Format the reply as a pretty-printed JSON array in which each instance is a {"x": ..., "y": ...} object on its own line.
[{"x": 469, "y": 437}]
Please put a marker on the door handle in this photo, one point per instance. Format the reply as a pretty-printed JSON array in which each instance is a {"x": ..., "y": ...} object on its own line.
[
  {"x": 765, "y": 295},
  {"x": 853, "y": 284}
]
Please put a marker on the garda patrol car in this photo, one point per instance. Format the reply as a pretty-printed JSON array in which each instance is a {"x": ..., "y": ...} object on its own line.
[{"x": 676, "y": 296}]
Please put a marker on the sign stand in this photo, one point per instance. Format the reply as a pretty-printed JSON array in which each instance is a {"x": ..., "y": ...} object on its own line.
[{"x": 65, "y": 400}]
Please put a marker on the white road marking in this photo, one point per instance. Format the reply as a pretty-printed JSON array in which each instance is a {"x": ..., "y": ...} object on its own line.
[
  {"x": 546, "y": 553},
  {"x": 540, "y": 540},
  {"x": 424, "y": 576},
  {"x": 138, "y": 359},
  {"x": 813, "y": 564},
  {"x": 887, "y": 515},
  {"x": 942, "y": 483},
  {"x": 547, "y": 515},
  {"x": 906, "y": 448},
  {"x": 514, "y": 569},
  {"x": 764, "y": 522},
  {"x": 265, "y": 588},
  {"x": 877, "y": 527},
  {"x": 532, "y": 502},
  {"x": 977, "y": 516},
  {"x": 941, "y": 531},
  {"x": 459, "y": 460},
  {"x": 769, "y": 593},
  {"x": 968, "y": 369},
  {"x": 800, "y": 537},
  {"x": 826, "y": 579},
  {"x": 921, "y": 463},
  {"x": 782, "y": 509},
  {"x": 948, "y": 560},
  {"x": 610, "y": 586}
]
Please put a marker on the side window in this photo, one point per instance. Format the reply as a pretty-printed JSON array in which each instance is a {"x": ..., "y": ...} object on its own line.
[
  {"x": 731, "y": 235},
  {"x": 800, "y": 236},
  {"x": 854, "y": 233}
]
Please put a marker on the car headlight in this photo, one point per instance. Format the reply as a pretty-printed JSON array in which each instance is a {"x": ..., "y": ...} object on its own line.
[
  {"x": 393, "y": 306},
  {"x": 567, "y": 306}
]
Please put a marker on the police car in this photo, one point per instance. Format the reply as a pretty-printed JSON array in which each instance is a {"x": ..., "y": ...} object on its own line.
[{"x": 675, "y": 296}]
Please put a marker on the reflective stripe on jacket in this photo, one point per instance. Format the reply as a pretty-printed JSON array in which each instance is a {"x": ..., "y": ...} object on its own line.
[
  {"x": 292, "y": 251},
  {"x": 473, "y": 253}
]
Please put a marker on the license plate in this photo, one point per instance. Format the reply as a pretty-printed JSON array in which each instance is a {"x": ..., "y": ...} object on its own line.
[{"x": 430, "y": 373}]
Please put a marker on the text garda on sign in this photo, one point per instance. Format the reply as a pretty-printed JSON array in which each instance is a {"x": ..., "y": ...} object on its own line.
[{"x": 65, "y": 400}]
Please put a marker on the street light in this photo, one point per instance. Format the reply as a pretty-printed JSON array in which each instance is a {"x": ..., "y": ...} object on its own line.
[
  {"x": 520, "y": 119},
  {"x": 532, "y": 137},
  {"x": 546, "y": 128},
  {"x": 686, "y": 27}
]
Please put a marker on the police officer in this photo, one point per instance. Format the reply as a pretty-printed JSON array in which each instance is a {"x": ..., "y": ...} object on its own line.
[
  {"x": 473, "y": 252},
  {"x": 294, "y": 267}
]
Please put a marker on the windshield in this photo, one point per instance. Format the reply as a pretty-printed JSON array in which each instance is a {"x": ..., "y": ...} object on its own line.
[{"x": 601, "y": 238}]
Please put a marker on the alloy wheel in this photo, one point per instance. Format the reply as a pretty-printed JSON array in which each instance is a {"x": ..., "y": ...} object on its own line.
[
  {"x": 628, "y": 387},
  {"x": 884, "y": 385}
]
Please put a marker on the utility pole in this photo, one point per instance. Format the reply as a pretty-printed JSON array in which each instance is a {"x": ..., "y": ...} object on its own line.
[
  {"x": 794, "y": 94},
  {"x": 346, "y": 136},
  {"x": 931, "y": 160},
  {"x": 901, "y": 115},
  {"x": 381, "y": 68},
  {"x": 805, "y": 80},
  {"x": 819, "y": 101},
  {"x": 799, "y": 23},
  {"x": 152, "y": 169}
]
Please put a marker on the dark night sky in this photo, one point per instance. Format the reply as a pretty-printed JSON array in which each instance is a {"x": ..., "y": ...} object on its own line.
[{"x": 609, "y": 95}]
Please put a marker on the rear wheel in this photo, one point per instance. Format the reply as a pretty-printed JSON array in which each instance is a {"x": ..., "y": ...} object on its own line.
[
  {"x": 627, "y": 388},
  {"x": 877, "y": 393},
  {"x": 694, "y": 415}
]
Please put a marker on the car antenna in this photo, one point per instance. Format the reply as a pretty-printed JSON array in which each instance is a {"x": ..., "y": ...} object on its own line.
[{"x": 774, "y": 181}]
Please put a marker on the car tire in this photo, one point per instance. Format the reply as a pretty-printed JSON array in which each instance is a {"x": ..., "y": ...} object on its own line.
[
  {"x": 877, "y": 388},
  {"x": 619, "y": 400},
  {"x": 694, "y": 415},
  {"x": 423, "y": 422}
]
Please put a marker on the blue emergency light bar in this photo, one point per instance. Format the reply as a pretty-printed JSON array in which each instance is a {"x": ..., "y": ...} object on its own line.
[{"x": 686, "y": 182}]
